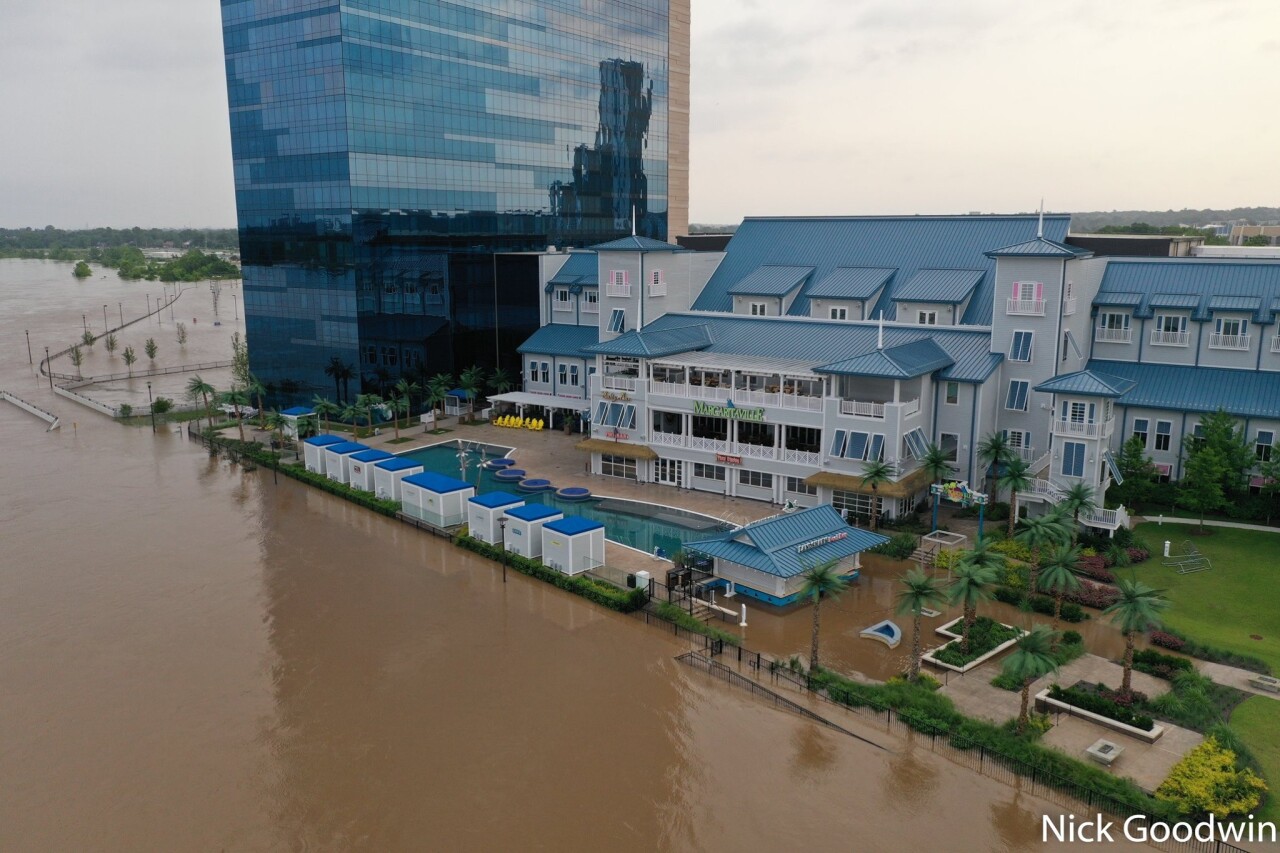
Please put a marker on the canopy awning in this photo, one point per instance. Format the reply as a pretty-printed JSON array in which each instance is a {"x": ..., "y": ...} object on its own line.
[
  {"x": 527, "y": 398},
  {"x": 907, "y": 486},
  {"x": 617, "y": 448}
]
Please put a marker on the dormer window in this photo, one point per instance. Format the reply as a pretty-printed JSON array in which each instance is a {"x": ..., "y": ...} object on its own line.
[
  {"x": 1113, "y": 327},
  {"x": 563, "y": 301},
  {"x": 591, "y": 300},
  {"x": 1231, "y": 333},
  {"x": 759, "y": 309},
  {"x": 1170, "y": 330},
  {"x": 926, "y": 318},
  {"x": 840, "y": 313}
]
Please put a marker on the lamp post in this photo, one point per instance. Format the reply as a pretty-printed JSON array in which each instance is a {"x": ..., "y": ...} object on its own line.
[
  {"x": 46, "y": 368},
  {"x": 153, "y": 409},
  {"x": 120, "y": 305},
  {"x": 104, "y": 319},
  {"x": 235, "y": 306},
  {"x": 84, "y": 319},
  {"x": 148, "y": 303},
  {"x": 502, "y": 528},
  {"x": 30, "y": 360}
]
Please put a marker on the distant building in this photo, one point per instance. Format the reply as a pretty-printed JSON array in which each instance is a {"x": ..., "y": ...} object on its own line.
[
  {"x": 1136, "y": 245},
  {"x": 1240, "y": 233}
]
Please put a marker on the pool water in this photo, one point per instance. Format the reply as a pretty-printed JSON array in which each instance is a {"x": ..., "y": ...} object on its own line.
[{"x": 639, "y": 525}]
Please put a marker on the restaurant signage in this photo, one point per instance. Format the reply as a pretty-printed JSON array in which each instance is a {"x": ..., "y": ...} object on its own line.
[
  {"x": 613, "y": 433},
  {"x": 728, "y": 410},
  {"x": 732, "y": 460},
  {"x": 820, "y": 541}
]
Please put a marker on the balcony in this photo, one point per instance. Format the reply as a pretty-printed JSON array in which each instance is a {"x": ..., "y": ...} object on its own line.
[
  {"x": 1275, "y": 344},
  {"x": 715, "y": 445},
  {"x": 1169, "y": 339},
  {"x": 590, "y": 307},
  {"x": 1237, "y": 342},
  {"x": 803, "y": 457},
  {"x": 620, "y": 383},
  {"x": 615, "y": 289},
  {"x": 1026, "y": 454},
  {"x": 1083, "y": 429},
  {"x": 757, "y": 451},
  {"x": 692, "y": 392},
  {"x": 563, "y": 305},
  {"x": 877, "y": 411},
  {"x": 658, "y": 288},
  {"x": 1027, "y": 307},
  {"x": 1113, "y": 336},
  {"x": 668, "y": 438}
]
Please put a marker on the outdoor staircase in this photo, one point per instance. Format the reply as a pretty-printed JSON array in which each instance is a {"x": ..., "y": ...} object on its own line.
[
  {"x": 925, "y": 555},
  {"x": 701, "y": 611}
]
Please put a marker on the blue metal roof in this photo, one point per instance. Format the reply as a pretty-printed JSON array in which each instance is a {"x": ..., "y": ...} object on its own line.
[
  {"x": 345, "y": 447},
  {"x": 397, "y": 463},
  {"x": 533, "y": 512},
  {"x": 461, "y": 393},
  {"x": 493, "y": 500},
  {"x": 904, "y": 361},
  {"x": 323, "y": 440},
  {"x": 947, "y": 286},
  {"x": 905, "y": 243},
  {"x": 788, "y": 545},
  {"x": 638, "y": 244},
  {"x": 372, "y": 455},
  {"x": 561, "y": 339},
  {"x": 805, "y": 339},
  {"x": 572, "y": 525},
  {"x": 581, "y": 268},
  {"x": 859, "y": 283},
  {"x": 298, "y": 411},
  {"x": 655, "y": 343},
  {"x": 1120, "y": 298},
  {"x": 1219, "y": 284},
  {"x": 1183, "y": 388},
  {"x": 771, "y": 280},
  {"x": 437, "y": 483},
  {"x": 1088, "y": 383},
  {"x": 1039, "y": 247}
]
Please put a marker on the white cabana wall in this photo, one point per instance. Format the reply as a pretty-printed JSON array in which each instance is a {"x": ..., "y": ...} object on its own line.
[
  {"x": 435, "y": 499},
  {"x": 388, "y": 473},
  {"x": 524, "y": 528},
  {"x": 486, "y": 512},
  {"x": 573, "y": 544},
  {"x": 313, "y": 451},
  {"x": 292, "y": 417},
  {"x": 335, "y": 459},
  {"x": 360, "y": 468}
]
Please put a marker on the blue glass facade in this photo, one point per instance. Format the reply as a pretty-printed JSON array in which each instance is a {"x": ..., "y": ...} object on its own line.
[{"x": 387, "y": 152}]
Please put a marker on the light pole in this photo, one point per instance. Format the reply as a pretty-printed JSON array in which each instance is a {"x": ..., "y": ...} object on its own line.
[
  {"x": 47, "y": 371},
  {"x": 148, "y": 304},
  {"x": 153, "y": 409},
  {"x": 120, "y": 305},
  {"x": 104, "y": 319},
  {"x": 84, "y": 319},
  {"x": 30, "y": 360},
  {"x": 502, "y": 527},
  {"x": 235, "y": 305}
]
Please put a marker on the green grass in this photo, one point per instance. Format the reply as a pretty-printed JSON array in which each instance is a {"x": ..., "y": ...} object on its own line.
[
  {"x": 1228, "y": 603},
  {"x": 1257, "y": 722}
]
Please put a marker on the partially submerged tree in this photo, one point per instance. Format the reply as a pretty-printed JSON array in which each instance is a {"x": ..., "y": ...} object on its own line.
[
  {"x": 197, "y": 387},
  {"x": 875, "y": 475},
  {"x": 972, "y": 580},
  {"x": 1136, "y": 611},
  {"x": 1032, "y": 658},
  {"x": 919, "y": 592},
  {"x": 818, "y": 581}
]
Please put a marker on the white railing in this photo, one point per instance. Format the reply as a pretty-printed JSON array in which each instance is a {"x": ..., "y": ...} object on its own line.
[
  {"x": 668, "y": 438},
  {"x": 620, "y": 383},
  {"x": 804, "y": 457},
  {"x": 1169, "y": 339},
  {"x": 1085, "y": 429},
  {"x": 1069, "y": 307},
  {"x": 756, "y": 398},
  {"x": 1046, "y": 489},
  {"x": 658, "y": 288},
  {"x": 1041, "y": 463},
  {"x": 802, "y": 402},
  {"x": 590, "y": 307},
  {"x": 1113, "y": 336},
  {"x": 612, "y": 289},
  {"x": 714, "y": 445},
  {"x": 1229, "y": 341},
  {"x": 1026, "y": 454},
  {"x": 862, "y": 409},
  {"x": 563, "y": 306},
  {"x": 1034, "y": 307},
  {"x": 1275, "y": 344},
  {"x": 911, "y": 407},
  {"x": 695, "y": 392},
  {"x": 1110, "y": 518},
  {"x": 757, "y": 451}
]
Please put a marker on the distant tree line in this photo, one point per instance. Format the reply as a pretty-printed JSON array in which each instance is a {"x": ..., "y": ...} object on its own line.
[
  {"x": 57, "y": 244},
  {"x": 1096, "y": 221}
]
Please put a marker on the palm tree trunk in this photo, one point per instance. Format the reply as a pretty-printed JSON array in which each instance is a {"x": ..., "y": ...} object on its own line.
[
  {"x": 1013, "y": 511},
  {"x": 1023, "y": 714},
  {"x": 1075, "y": 528},
  {"x": 915, "y": 647},
  {"x": 1125, "y": 683},
  {"x": 208, "y": 413},
  {"x": 1057, "y": 610},
  {"x": 813, "y": 646},
  {"x": 1033, "y": 570},
  {"x": 970, "y": 614},
  {"x": 395, "y": 419},
  {"x": 240, "y": 424}
]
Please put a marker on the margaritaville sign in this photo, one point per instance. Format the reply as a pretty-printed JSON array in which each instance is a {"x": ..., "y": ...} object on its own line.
[
  {"x": 729, "y": 410},
  {"x": 820, "y": 541}
]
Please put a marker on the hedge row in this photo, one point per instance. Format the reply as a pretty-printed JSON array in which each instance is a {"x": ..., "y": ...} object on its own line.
[
  {"x": 1040, "y": 604},
  {"x": 1160, "y": 665},
  {"x": 1179, "y": 642},
  {"x": 672, "y": 613},
  {"x": 298, "y": 471},
  {"x": 1088, "y": 701}
]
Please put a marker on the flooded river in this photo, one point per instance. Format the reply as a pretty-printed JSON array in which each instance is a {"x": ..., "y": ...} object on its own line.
[{"x": 198, "y": 658}]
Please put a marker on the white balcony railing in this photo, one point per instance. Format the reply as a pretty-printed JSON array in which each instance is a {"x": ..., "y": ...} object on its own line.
[
  {"x": 693, "y": 392},
  {"x": 590, "y": 307},
  {"x": 658, "y": 288},
  {"x": 862, "y": 409},
  {"x": 1083, "y": 429},
  {"x": 1229, "y": 341},
  {"x": 667, "y": 438},
  {"x": 1113, "y": 336},
  {"x": 911, "y": 407},
  {"x": 563, "y": 305},
  {"x": 1109, "y": 518},
  {"x": 619, "y": 383},
  {"x": 1032, "y": 307},
  {"x": 804, "y": 457},
  {"x": 1069, "y": 306},
  {"x": 714, "y": 445},
  {"x": 1169, "y": 339},
  {"x": 613, "y": 289},
  {"x": 1026, "y": 454},
  {"x": 757, "y": 451},
  {"x": 1275, "y": 344}
]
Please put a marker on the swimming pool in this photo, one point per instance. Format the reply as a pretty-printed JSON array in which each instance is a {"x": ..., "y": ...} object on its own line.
[{"x": 640, "y": 525}]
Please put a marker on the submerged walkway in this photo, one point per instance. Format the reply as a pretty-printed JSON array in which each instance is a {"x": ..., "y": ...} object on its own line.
[{"x": 48, "y": 417}]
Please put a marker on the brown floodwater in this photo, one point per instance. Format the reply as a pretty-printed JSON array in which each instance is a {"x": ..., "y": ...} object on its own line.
[{"x": 198, "y": 658}]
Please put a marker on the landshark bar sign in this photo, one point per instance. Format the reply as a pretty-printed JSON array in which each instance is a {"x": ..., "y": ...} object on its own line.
[{"x": 728, "y": 410}]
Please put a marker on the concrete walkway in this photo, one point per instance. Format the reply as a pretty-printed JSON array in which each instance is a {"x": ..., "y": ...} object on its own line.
[
  {"x": 1232, "y": 677},
  {"x": 1168, "y": 519}
]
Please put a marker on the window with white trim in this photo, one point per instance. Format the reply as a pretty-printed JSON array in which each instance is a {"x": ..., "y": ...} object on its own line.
[
  {"x": 617, "y": 466},
  {"x": 952, "y": 395},
  {"x": 759, "y": 309},
  {"x": 533, "y": 371},
  {"x": 1020, "y": 348},
  {"x": 618, "y": 321},
  {"x": 591, "y": 296},
  {"x": 926, "y": 318},
  {"x": 1262, "y": 447},
  {"x": 618, "y": 278},
  {"x": 563, "y": 301},
  {"x": 546, "y": 371},
  {"x": 1171, "y": 323},
  {"x": 1018, "y": 439},
  {"x": 915, "y": 442},
  {"x": 564, "y": 374},
  {"x": 1164, "y": 434},
  {"x": 839, "y": 313},
  {"x": 573, "y": 375},
  {"x": 1016, "y": 400},
  {"x": 657, "y": 284},
  {"x": 758, "y": 479},
  {"x": 1026, "y": 291},
  {"x": 1233, "y": 327},
  {"x": 703, "y": 471},
  {"x": 797, "y": 485},
  {"x": 854, "y": 506},
  {"x": 1113, "y": 321},
  {"x": 949, "y": 444},
  {"x": 1141, "y": 426},
  {"x": 1073, "y": 458}
]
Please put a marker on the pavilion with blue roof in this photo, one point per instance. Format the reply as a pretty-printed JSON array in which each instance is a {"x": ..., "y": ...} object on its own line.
[{"x": 766, "y": 560}]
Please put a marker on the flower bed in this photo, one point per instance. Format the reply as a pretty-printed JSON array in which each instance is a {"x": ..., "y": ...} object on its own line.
[
  {"x": 987, "y": 638},
  {"x": 1071, "y": 612},
  {"x": 1160, "y": 665},
  {"x": 1102, "y": 704},
  {"x": 1093, "y": 595},
  {"x": 1177, "y": 642},
  {"x": 1095, "y": 567}
]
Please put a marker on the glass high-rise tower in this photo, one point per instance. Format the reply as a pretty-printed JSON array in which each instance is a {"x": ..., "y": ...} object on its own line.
[{"x": 391, "y": 155}]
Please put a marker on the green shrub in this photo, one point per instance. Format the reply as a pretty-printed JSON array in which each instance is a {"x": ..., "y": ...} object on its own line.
[
  {"x": 1089, "y": 701},
  {"x": 671, "y": 613},
  {"x": 1005, "y": 681},
  {"x": 1071, "y": 638},
  {"x": 900, "y": 547},
  {"x": 1071, "y": 612},
  {"x": 1160, "y": 665},
  {"x": 947, "y": 559},
  {"x": 1012, "y": 549},
  {"x": 1171, "y": 639},
  {"x": 1208, "y": 780},
  {"x": 984, "y": 635}
]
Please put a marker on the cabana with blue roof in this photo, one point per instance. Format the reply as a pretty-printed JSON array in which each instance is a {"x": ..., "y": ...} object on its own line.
[
  {"x": 524, "y": 528},
  {"x": 485, "y": 514},
  {"x": 313, "y": 451},
  {"x": 766, "y": 560},
  {"x": 458, "y": 402},
  {"x": 335, "y": 459},
  {"x": 435, "y": 498},
  {"x": 573, "y": 544},
  {"x": 388, "y": 473},
  {"x": 360, "y": 468},
  {"x": 298, "y": 420}
]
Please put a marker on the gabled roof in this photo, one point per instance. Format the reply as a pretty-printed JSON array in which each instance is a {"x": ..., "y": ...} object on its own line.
[
  {"x": 904, "y": 361},
  {"x": 638, "y": 244},
  {"x": 904, "y": 243},
  {"x": 581, "y": 268},
  {"x": 561, "y": 339},
  {"x": 572, "y": 525},
  {"x": 859, "y": 283},
  {"x": 787, "y": 545},
  {"x": 771, "y": 280},
  {"x": 1203, "y": 285},
  {"x": 1184, "y": 388},
  {"x": 947, "y": 286},
  {"x": 1039, "y": 247},
  {"x": 438, "y": 483},
  {"x": 1087, "y": 383},
  {"x": 655, "y": 343}
]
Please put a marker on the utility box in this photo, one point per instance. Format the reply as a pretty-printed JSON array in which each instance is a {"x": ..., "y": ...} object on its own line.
[
  {"x": 435, "y": 498},
  {"x": 335, "y": 459},
  {"x": 524, "y": 528},
  {"x": 485, "y": 514},
  {"x": 388, "y": 473},
  {"x": 313, "y": 451},
  {"x": 360, "y": 468},
  {"x": 573, "y": 544}
]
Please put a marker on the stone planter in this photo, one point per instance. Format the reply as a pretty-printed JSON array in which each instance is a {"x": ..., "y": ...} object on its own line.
[
  {"x": 955, "y": 638},
  {"x": 1043, "y": 700}
]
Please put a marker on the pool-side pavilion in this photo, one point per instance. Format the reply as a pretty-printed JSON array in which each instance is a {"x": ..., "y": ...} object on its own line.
[{"x": 765, "y": 560}]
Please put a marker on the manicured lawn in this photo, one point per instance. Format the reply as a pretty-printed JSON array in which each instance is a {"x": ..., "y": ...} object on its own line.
[
  {"x": 1257, "y": 722},
  {"x": 1226, "y": 605}
]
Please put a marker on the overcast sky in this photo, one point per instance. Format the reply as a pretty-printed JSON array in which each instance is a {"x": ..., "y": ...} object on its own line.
[{"x": 116, "y": 112}]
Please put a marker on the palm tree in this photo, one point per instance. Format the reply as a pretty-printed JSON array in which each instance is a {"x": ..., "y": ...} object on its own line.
[
  {"x": 471, "y": 380},
  {"x": 1079, "y": 498},
  {"x": 1032, "y": 658},
  {"x": 1041, "y": 531},
  {"x": 936, "y": 464},
  {"x": 1058, "y": 576},
  {"x": 500, "y": 381},
  {"x": 437, "y": 390},
  {"x": 325, "y": 409},
  {"x": 919, "y": 591},
  {"x": 256, "y": 389},
  {"x": 238, "y": 398},
  {"x": 365, "y": 403},
  {"x": 1014, "y": 477},
  {"x": 873, "y": 475},
  {"x": 822, "y": 579},
  {"x": 974, "y": 576},
  {"x": 399, "y": 406},
  {"x": 995, "y": 452},
  {"x": 402, "y": 401},
  {"x": 351, "y": 413},
  {"x": 334, "y": 369},
  {"x": 277, "y": 422},
  {"x": 1136, "y": 610},
  {"x": 197, "y": 387}
]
